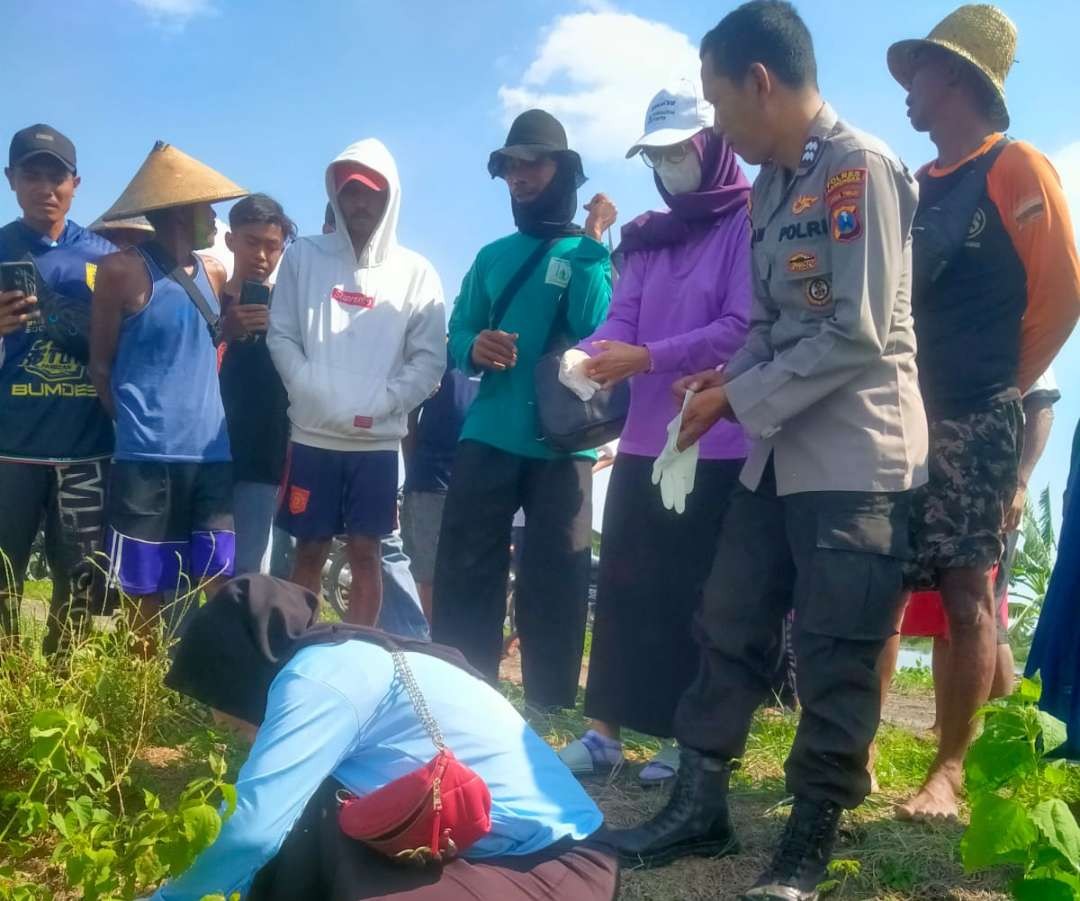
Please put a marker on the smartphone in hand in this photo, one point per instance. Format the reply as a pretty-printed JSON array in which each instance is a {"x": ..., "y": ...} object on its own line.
[
  {"x": 18, "y": 277},
  {"x": 254, "y": 292}
]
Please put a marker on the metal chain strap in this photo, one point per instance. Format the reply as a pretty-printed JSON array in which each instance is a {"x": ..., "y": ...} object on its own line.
[{"x": 405, "y": 674}]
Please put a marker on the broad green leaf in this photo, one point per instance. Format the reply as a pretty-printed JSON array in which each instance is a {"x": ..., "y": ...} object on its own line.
[
  {"x": 1058, "y": 826},
  {"x": 201, "y": 825},
  {"x": 1003, "y": 752},
  {"x": 1042, "y": 890},
  {"x": 228, "y": 792},
  {"x": 1055, "y": 774},
  {"x": 1030, "y": 689},
  {"x": 1053, "y": 731},
  {"x": 148, "y": 869},
  {"x": 1000, "y": 832},
  {"x": 61, "y": 825}
]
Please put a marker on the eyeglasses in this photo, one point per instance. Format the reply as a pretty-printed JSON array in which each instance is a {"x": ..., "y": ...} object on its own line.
[{"x": 654, "y": 156}]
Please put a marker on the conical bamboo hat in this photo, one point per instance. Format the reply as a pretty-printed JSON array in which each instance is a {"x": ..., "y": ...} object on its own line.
[
  {"x": 168, "y": 178},
  {"x": 135, "y": 224}
]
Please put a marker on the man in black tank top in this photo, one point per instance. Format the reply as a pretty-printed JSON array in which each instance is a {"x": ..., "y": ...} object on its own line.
[{"x": 996, "y": 292}]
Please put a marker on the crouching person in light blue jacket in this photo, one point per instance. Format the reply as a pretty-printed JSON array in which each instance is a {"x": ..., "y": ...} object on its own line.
[{"x": 326, "y": 710}]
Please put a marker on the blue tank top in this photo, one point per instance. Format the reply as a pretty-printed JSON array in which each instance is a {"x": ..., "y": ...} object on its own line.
[{"x": 165, "y": 380}]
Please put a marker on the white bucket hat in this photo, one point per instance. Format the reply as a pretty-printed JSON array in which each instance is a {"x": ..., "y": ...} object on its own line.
[{"x": 674, "y": 115}]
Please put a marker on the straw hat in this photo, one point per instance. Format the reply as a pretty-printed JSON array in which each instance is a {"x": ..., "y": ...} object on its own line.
[
  {"x": 169, "y": 178},
  {"x": 981, "y": 35},
  {"x": 134, "y": 223}
]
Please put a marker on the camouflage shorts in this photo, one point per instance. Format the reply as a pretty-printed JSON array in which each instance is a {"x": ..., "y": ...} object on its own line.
[{"x": 958, "y": 515}]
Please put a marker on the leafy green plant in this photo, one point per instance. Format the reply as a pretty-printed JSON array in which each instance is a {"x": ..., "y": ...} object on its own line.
[
  {"x": 72, "y": 733},
  {"x": 1030, "y": 576},
  {"x": 1019, "y": 816},
  {"x": 103, "y": 854},
  {"x": 838, "y": 873}
]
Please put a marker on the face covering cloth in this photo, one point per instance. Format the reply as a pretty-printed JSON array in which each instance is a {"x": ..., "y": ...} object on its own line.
[
  {"x": 551, "y": 214},
  {"x": 722, "y": 188}
]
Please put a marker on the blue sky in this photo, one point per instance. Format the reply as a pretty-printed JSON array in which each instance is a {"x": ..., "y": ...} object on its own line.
[{"x": 268, "y": 92}]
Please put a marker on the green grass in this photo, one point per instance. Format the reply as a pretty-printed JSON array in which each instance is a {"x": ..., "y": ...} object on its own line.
[
  {"x": 879, "y": 858},
  {"x": 913, "y": 680}
]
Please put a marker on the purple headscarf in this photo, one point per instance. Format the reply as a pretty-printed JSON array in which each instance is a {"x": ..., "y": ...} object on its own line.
[{"x": 723, "y": 188}]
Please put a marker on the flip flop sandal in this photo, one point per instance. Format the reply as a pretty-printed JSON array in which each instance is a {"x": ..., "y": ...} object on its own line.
[
  {"x": 662, "y": 768},
  {"x": 580, "y": 761}
]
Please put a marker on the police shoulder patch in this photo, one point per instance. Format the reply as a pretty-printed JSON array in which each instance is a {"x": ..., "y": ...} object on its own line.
[
  {"x": 848, "y": 184},
  {"x": 818, "y": 292},
  {"x": 846, "y": 222},
  {"x": 91, "y": 275},
  {"x": 802, "y": 261}
]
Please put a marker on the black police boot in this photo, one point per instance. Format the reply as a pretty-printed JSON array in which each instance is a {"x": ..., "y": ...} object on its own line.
[
  {"x": 804, "y": 853},
  {"x": 694, "y": 822}
]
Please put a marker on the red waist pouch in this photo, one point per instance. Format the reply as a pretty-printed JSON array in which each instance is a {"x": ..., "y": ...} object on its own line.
[{"x": 429, "y": 815}]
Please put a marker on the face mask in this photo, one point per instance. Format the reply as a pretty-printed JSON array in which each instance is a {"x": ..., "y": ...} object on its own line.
[{"x": 681, "y": 177}]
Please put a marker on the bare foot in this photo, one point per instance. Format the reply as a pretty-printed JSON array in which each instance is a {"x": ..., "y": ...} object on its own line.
[{"x": 938, "y": 799}]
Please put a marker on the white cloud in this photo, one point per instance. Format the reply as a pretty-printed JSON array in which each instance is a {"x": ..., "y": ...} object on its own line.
[
  {"x": 175, "y": 13},
  {"x": 596, "y": 72},
  {"x": 1067, "y": 163}
]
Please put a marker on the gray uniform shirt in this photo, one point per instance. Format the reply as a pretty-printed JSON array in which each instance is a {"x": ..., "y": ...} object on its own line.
[{"x": 826, "y": 382}]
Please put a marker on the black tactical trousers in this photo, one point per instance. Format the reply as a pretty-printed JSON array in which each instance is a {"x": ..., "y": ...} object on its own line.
[{"x": 837, "y": 557}]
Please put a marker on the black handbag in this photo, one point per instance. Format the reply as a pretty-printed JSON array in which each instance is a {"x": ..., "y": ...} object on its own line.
[{"x": 568, "y": 423}]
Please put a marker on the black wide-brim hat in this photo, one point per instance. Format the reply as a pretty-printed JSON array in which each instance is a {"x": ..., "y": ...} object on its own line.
[{"x": 533, "y": 135}]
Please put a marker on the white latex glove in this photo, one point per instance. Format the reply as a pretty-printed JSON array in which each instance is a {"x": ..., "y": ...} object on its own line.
[
  {"x": 572, "y": 374},
  {"x": 674, "y": 470}
]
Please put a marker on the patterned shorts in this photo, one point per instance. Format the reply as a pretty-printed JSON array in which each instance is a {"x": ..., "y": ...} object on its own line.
[{"x": 958, "y": 515}]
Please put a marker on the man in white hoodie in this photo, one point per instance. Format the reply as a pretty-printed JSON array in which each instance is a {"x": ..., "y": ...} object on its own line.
[{"x": 358, "y": 335}]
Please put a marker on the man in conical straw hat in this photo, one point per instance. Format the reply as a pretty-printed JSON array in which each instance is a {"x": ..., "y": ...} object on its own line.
[
  {"x": 154, "y": 364},
  {"x": 124, "y": 233},
  {"x": 996, "y": 292}
]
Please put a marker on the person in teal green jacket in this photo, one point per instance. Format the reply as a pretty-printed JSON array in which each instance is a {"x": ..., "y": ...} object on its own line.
[{"x": 502, "y": 462}]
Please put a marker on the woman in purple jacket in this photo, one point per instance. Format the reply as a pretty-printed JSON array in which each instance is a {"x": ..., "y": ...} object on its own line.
[{"x": 681, "y": 305}]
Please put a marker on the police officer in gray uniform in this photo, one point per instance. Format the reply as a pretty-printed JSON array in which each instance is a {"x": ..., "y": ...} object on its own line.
[{"x": 827, "y": 386}]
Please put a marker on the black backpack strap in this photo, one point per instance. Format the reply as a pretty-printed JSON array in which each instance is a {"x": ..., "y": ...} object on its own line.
[
  {"x": 985, "y": 163},
  {"x": 176, "y": 272},
  {"x": 940, "y": 229},
  {"x": 559, "y": 332},
  {"x": 502, "y": 302}
]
